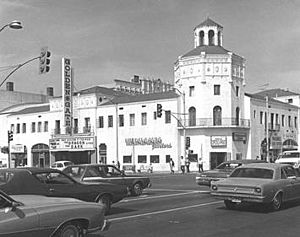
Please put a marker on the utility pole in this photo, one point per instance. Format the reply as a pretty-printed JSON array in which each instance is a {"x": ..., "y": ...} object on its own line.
[{"x": 267, "y": 128}]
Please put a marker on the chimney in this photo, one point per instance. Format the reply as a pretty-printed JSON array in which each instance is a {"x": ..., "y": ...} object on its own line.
[
  {"x": 50, "y": 91},
  {"x": 9, "y": 86}
]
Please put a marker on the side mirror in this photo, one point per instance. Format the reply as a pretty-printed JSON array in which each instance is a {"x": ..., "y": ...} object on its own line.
[{"x": 11, "y": 207}]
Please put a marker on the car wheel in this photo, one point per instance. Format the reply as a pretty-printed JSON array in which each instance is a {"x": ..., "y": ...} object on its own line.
[
  {"x": 276, "y": 203},
  {"x": 137, "y": 189},
  {"x": 70, "y": 230},
  {"x": 105, "y": 200},
  {"x": 230, "y": 205}
]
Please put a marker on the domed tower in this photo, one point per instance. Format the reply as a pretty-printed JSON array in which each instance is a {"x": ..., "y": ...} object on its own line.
[{"x": 212, "y": 81}]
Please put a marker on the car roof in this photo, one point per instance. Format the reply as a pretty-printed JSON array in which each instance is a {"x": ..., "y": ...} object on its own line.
[
  {"x": 244, "y": 161},
  {"x": 264, "y": 165},
  {"x": 32, "y": 170}
]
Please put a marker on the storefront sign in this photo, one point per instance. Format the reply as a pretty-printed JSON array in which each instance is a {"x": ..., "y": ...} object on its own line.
[
  {"x": 276, "y": 142},
  {"x": 67, "y": 87},
  {"x": 17, "y": 148},
  {"x": 239, "y": 136},
  {"x": 155, "y": 142},
  {"x": 72, "y": 144},
  {"x": 218, "y": 141}
]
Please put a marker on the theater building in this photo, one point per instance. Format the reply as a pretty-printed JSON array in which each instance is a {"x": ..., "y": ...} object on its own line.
[{"x": 206, "y": 114}]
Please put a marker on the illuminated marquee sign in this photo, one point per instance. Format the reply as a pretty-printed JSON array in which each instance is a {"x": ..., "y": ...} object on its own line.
[
  {"x": 155, "y": 142},
  {"x": 72, "y": 143},
  {"x": 67, "y": 87},
  {"x": 218, "y": 141}
]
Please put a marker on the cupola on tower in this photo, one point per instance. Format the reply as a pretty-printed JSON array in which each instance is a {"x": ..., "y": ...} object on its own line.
[{"x": 208, "y": 33}]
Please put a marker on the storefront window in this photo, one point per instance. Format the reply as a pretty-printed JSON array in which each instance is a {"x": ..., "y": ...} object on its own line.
[
  {"x": 142, "y": 159},
  {"x": 154, "y": 159},
  {"x": 127, "y": 159}
]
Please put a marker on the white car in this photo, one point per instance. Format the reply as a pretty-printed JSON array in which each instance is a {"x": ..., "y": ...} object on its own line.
[{"x": 60, "y": 165}]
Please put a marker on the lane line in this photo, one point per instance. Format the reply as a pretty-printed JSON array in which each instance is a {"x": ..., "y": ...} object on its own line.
[
  {"x": 161, "y": 196},
  {"x": 165, "y": 211},
  {"x": 173, "y": 190}
]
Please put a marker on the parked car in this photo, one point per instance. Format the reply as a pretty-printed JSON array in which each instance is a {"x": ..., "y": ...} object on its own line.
[
  {"x": 35, "y": 215},
  {"x": 109, "y": 174},
  {"x": 53, "y": 183},
  {"x": 60, "y": 165},
  {"x": 267, "y": 183},
  {"x": 222, "y": 171},
  {"x": 290, "y": 157}
]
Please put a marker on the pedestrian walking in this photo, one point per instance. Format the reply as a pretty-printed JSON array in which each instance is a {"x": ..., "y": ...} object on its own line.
[
  {"x": 118, "y": 164},
  {"x": 200, "y": 165},
  {"x": 172, "y": 164},
  {"x": 187, "y": 164},
  {"x": 182, "y": 165}
]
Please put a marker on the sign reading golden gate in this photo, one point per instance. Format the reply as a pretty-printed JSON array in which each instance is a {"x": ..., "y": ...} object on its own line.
[{"x": 67, "y": 87}]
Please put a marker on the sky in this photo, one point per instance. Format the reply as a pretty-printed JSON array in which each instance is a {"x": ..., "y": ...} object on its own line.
[{"x": 116, "y": 39}]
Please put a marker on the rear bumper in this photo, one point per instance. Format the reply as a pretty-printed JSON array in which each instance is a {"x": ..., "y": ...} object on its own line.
[{"x": 241, "y": 197}]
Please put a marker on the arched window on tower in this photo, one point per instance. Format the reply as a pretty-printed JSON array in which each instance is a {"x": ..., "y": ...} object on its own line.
[
  {"x": 201, "y": 38},
  {"x": 217, "y": 115},
  {"x": 192, "y": 116},
  {"x": 219, "y": 38},
  {"x": 211, "y": 37},
  {"x": 237, "y": 116}
]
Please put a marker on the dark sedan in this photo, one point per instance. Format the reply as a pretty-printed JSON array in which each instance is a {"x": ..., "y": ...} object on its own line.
[
  {"x": 54, "y": 183},
  {"x": 222, "y": 171},
  {"x": 109, "y": 174}
]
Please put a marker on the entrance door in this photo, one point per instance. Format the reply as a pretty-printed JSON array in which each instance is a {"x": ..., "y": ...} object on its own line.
[{"x": 217, "y": 158}]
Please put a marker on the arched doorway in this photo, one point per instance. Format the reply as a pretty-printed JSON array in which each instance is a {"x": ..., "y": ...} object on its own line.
[
  {"x": 237, "y": 116},
  {"x": 192, "y": 116},
  {"x": 40, "y": 155},
  {"x": 217, "y": 115},
  {"x": 103, "y": 153},
  {"x": 289, "y": 144}
]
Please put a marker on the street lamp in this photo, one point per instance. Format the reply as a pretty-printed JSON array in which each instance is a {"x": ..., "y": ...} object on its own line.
[{"x": 16, "y": 25}]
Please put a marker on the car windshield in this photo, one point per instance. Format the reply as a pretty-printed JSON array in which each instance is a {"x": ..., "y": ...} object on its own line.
[
  {"x": 290, "y": 155},
  {"x": 228, "y": 166},
  {"x": 252, "y": 173}
]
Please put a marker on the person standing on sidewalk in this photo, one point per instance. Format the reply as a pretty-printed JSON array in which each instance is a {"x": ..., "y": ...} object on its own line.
[
  {"x": 187, "y": 163},
  {"x": 182, "y": 164},
  {"x": 200, "y": 165},
  {"x": 171, "y": 163}
]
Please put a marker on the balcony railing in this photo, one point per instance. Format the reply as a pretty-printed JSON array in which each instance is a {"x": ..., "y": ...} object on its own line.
[{"x": 209, "y": 122}]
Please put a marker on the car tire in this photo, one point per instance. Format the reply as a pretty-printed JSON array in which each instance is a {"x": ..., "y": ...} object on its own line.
[
  {"x": 276, "y": 203},
  {"x": 70, "y": 230},
  {"x": 230, "y": 205},
  {"x": 106, "y": 201},
  {"x": 137, "y": 189}
]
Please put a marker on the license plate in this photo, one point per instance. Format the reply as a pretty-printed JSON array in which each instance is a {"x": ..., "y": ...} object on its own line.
[{"x": 236, "y": 200}]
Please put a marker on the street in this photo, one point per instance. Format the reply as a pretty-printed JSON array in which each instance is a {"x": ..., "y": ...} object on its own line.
[{"x": 176, "y": 206}]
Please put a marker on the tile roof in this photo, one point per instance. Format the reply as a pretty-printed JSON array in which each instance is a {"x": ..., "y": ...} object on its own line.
[
  {"x": 35, "y": 109},
  {"x": 142, "y": 97},
  {"x": 270, "y": 99},
  {"x": 277, "y": 93},
  {"x": 208, "y": 22},
  {"x": 212, "y": 49}
]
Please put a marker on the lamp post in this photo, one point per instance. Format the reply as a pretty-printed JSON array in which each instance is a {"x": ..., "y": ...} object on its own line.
[
  {"x": 267, "y": 128},
  {"x": 16, "y": 25},
  {"x": 184, "y": 120}
]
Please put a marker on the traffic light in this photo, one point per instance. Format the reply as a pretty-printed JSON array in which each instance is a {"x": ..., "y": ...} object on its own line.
[
  {"x": 44, "y": 61},
  {"x": 159, "y": 110},
  {"x": 10, "y": 136},
  {"x": 187, "y": 142}
]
